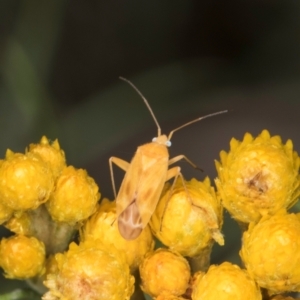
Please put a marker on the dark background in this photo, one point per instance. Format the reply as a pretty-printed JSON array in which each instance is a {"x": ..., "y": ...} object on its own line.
[{"x": 60, "y": 62}]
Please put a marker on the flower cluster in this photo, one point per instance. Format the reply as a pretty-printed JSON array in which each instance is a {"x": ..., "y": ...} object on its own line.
[
  {"x": 258, "y": 181},
  {"x": 44, "y": 203}
]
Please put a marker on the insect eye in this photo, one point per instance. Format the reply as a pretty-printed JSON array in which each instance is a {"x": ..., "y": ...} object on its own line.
[
  {"x": 168, "y": 143},
  {"x": 154, "y": 139}
]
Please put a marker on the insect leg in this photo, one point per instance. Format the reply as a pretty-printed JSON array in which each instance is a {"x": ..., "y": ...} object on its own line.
[
  {"x": 180, "y": 157},
  {"x": 176, "y": 159},
  {"x": 122, "y": 164},
  {"x": 174, "y": 173}
]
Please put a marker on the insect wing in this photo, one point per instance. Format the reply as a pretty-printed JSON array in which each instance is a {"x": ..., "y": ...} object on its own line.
[
  {"x": 127, "y": 191},
  {"x": 141, "y": 187},
  {"x": 150, "y": 188}
]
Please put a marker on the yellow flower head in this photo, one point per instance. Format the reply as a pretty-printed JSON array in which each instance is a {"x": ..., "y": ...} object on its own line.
[
  {"x": 74, "y": 198},
  {"x": 258, "y": 176},
  {"x": 164, "y": 272},
  {"x": 89, "y": 271},
  {"x": 226, "y": 282},
  {"x": 22, "y": 257},
  {"x": 103, "y": 226},
  {"x": 25, "y": 181},
  {"x": 271, "y": 252},
  {"x": 188, "y": 219},
  {"x": 51, "y": 154}
]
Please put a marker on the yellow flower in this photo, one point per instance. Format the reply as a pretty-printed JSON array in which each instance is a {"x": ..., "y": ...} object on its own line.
[
  {"x": 22, "y": 257},
  {"x": 259, "y": 176},
  {"x": 164, "y": 272},
  {"x": 50, "y": 153},
  {"x": 190, "y": 218},
  {"x": 74, "y": 198},
  {"x": 226, "y": 282},
  {"x": 25, "y": 181},
  {"x": 103, "y": 226},
  {"x": 271, "y": 252},
  {"x": 90, "y": 270}
]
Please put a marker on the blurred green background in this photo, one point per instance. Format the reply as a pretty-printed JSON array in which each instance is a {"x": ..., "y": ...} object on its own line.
[{"x": 60, "y": 63}]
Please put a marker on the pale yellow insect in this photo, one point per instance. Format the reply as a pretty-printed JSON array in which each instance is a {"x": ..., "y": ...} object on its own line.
[{"x": 145, "y": 177}]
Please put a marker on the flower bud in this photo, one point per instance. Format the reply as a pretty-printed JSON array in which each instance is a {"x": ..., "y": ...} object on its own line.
[
  {"x": 188, "y": 219},
  {"x": 226, "y": 282},
  {"x": 25, "y": 181},
  {"x": 90, "y": 270},
  {"x": 22, "y": 257},
  {"x": 50, "y": 153},
  {"x": 271, "y": 252},
  {"x": 164, "y": 272},
  {"x": 259, "y": 176},
  {"x": 74, "y": 198}
]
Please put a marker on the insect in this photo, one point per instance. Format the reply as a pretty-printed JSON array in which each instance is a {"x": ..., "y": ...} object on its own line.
[{"x": 145, "y": 177}]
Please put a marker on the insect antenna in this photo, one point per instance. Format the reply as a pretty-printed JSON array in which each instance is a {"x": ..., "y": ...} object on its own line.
[
  {"x": 196, "y": 120},
  {"x": 146, "y": 102}
]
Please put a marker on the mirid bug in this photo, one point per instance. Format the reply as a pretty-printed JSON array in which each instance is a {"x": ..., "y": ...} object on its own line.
[{"x": 145, "y": 177}]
